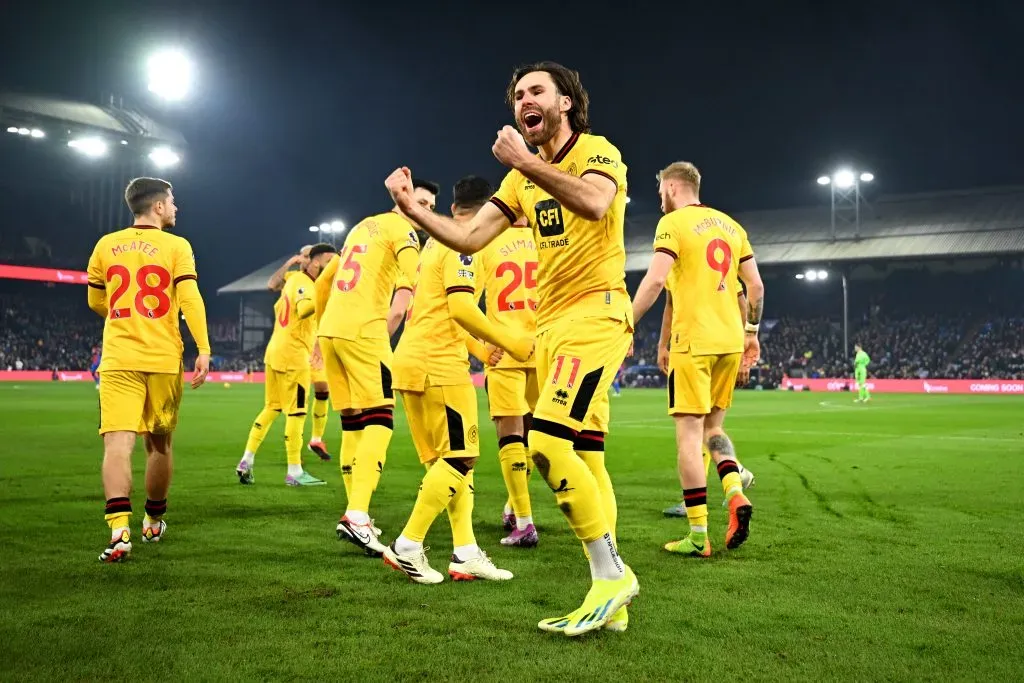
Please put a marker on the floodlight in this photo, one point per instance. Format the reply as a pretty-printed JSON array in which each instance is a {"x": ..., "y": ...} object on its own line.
[
  {"x": 23, "y": 131},
  {"x": 325, "y": 227},
  {"x": 628, "y": 199},
  {"x": 337, "y": 226},
  {"x": 843, "y": 179},
  {"x": 36, "y": 133},
  {"x": 867, "y": 177},
  {"x": 89, "y": 146},
  {"x": 170, "y": 74},
  {"x": 811, "y": 275},
  {"x": 799, "y": 276},
  {"x": 164, "y": 157},
  {"x": 824, "y": 180},
  {"x": 314, "y": 228},
  {"x": 12, "y": 129},
  {"x": 822, "y": 274}
]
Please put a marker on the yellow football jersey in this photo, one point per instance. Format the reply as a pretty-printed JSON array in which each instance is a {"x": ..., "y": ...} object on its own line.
[
  {"x": 140, "y": 268},
  {"x": 291, "y": 342},
  {"x": 364, "y": 276},
  {"x": 708, "y": 247},
  {"x": 433, "y": 346},
  {"x": 508, "y": 271},
  {"x": 582, "y": 271}
]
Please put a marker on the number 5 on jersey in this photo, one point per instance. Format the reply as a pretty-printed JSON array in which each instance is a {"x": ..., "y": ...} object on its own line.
[{"x": 350, "y": 264}]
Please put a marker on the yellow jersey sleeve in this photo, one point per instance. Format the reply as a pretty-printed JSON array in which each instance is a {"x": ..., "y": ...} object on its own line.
[
  {"x": 666, "y": 240},
  {"x": 459, "y": 273},
  {"x": 403, "y": 237},
  {"x": 184, "y": 265},
  {"x": 96, "y": 277},
  {"x": 604, "y": 159},
  {"x": 507, "y": 196},
  {"x": 746, "y": 251}
]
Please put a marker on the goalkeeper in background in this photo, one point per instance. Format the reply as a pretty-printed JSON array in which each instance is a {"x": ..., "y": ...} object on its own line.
[{"x": 860, "y": 374}]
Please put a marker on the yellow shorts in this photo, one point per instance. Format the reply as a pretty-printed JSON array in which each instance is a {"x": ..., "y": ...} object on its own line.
[
  {"x": 511, "y": 392},
  {"x": 140, "y": 402},
  {"x": 443, "y": 421},
  {"x": 358, "y": 372},
  {"x": 576, "y": 364},
  {"x": 286, "y": 390},
  {"x": 698, "y": 383}
]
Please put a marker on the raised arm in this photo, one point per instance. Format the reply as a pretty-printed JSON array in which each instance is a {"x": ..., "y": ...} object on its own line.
[
  {"x": 464, "y": 238},
  {"x": 276, "y": 281},
  {"x": 588, "y": 196},
  {"x": 322, "y": 286}
]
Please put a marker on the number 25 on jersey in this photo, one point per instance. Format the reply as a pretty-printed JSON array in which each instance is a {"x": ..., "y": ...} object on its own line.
[{"x": 527, "y": 275}]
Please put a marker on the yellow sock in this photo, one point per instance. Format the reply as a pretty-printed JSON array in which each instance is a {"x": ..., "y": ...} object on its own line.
[
  {"x": 351, "y": 435},
  {"x": 594, "y": 459},
  {"x": 371, "y": 454},
  {"x": 575, "y": 487},
  {"x": 706, "y": 454},
  {"x": 118, "y": 511},
  {"x": 730, "y": 474},
  {"x": 259, "y": 429},
  {"x": 319, "y": 416},
  {"x": 293, "y": 428},
  {"x": 460, "y": 514},
  {"x": 696, "y": 502},
  {"x": 514, "y": 470},
  {"x": 441, "y": 484}
]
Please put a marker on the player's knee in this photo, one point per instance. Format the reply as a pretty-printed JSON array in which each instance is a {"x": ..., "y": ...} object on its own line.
[
  {"x": 508, "y": 426},
  {"x": 461, "y": 465}
]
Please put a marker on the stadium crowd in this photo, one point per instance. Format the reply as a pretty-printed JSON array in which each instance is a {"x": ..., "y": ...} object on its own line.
[{"x": 48, "y": 327}]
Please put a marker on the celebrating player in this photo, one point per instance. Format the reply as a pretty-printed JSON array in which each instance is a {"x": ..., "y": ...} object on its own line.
[
  {"x": 321, "y": 392},
  {"x": 699, "y": 251},
  {"x": 432, "y": 376},
  {"x": 139, "y": 278},
  {"x": 573, "y": 193},
  {"x": 287, "y": 361},
  {"x": 860, "y": 374},
  {"x": 354, "y": 301}
]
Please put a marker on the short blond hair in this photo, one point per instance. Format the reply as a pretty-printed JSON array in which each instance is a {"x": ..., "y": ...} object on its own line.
[{"x": 683, "y": 171}]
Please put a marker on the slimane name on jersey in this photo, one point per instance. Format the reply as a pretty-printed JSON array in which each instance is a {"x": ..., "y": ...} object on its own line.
[
  {"x": 511, "y": 248},
  {"x": 135, "y": 245}
]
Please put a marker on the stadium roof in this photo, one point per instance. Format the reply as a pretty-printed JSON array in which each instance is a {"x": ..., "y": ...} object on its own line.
[
  {"x": 27, "y": 110},
  {"x": 981, "y": 222}
]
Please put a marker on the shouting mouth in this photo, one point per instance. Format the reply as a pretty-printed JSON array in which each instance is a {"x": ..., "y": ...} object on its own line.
[{"x": 532, "y": 121}]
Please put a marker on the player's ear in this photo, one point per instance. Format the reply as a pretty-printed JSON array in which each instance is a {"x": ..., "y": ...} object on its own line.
[
  {"x": 565, "y": 104},
  {"x": 452, "y": 209}
]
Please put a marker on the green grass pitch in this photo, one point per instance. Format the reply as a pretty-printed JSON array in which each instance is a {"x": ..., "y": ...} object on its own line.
[{"x": 886, "y": 544}]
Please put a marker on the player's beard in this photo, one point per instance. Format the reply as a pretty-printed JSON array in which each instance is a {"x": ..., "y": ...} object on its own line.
[{"x": 549, "y": 129}]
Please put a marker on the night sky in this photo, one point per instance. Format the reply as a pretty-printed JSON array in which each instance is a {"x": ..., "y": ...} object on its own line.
[{"x": 300, "y": 111}]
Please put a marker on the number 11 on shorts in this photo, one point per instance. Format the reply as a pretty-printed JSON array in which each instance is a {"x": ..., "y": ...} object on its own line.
[{"x": 574, "y": 362}]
